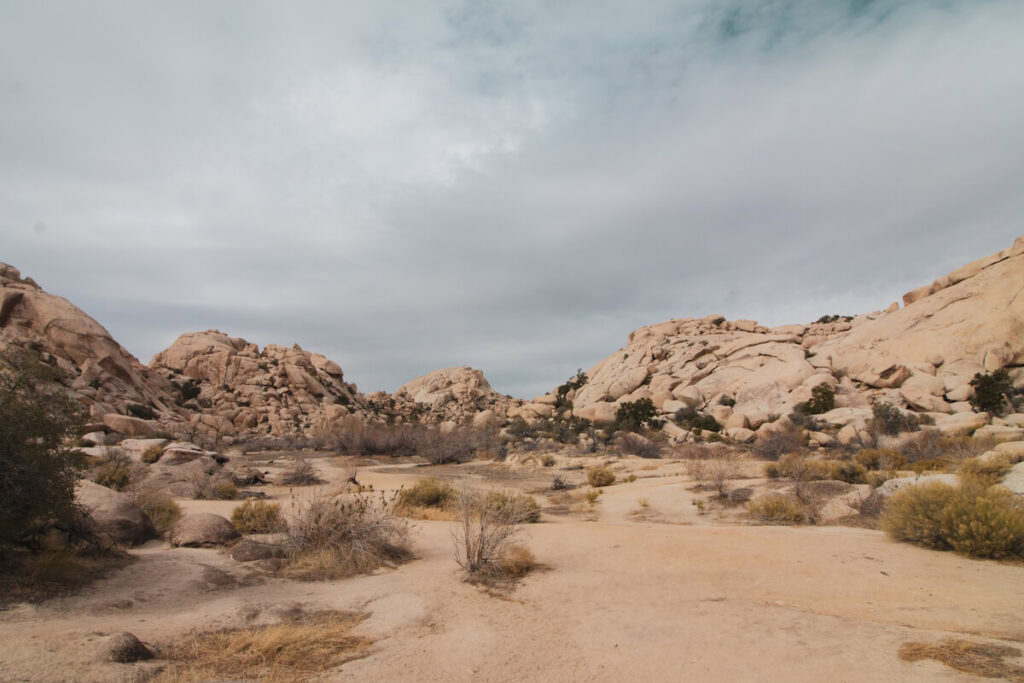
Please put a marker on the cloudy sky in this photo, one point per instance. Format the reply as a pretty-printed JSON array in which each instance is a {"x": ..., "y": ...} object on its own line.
[{"x": 514, "y": 186}]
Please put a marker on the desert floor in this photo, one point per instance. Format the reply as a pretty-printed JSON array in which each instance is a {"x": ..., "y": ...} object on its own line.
[{"x": 669, "y": 595}]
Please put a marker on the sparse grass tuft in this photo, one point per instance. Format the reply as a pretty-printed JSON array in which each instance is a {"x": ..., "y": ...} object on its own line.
[
  {"x": 514, "y": 504},
  {"x": 34, "y": 577},
  {"x": 427, "y": 493},
  {"x": 294, "y": 650},
  {"x": 152, "y": 454},
  {"x": 977, "y": 659},
  {"x": 115, "y": 470},
  {"x": 258, "y": 517},
  {"x": 225, "y": 489},
  {"x": 159, "y": 507},
  {"x": 775, "y": 508}
]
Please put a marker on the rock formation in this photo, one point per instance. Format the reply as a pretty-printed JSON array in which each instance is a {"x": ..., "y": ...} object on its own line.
[{"x": 448, "y": 395}]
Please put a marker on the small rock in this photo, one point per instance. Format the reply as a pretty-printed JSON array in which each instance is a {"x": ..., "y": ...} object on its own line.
[{"x": 123, "y": 648}]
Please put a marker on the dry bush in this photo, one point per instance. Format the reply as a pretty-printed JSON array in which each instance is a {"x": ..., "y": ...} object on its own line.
[
  {"x": 600, "y": 476},
  {"x": 152, "y": 454},
  {"x": 880, "y": 459},
  {"x": 224, "y": 489},
  {"x": 459, "y": 445},
  {"x": 301, "y": 473},
  {"x": 485, "y": 530},
  {"x": 331, "y": 537},
  {"x": 258, "y": 517},
  {"x": 115, "y": 470},
  {"x": 159, "y": 507},
  {"x": 294, "y": 650},
  {"x": 790, "y": 439},
  {"x": 359, "y": 438},
  {"x": 32, "y": 577},
  {"x": 970, "y": 519},
  {"x": 933, "y": 445},
  {"x": 722, "y": 469},
  {"x": 977, "y": 659},
  {"x": 547, "y": 460},
  {"x": 516, "y": 561},
  {"x": 776, "y": 508},
  {"x": 634, "y": 444},
  {"x": 428, "y": 498},
  {"x": 989, "y": 470}
]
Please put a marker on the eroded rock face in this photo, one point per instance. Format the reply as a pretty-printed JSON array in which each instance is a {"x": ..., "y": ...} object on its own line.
[
  {"x": 202, "y": 530},
  {"x": 450, "y": 394},
  {"x": 101, "y": 373},
  {"x": 114, "y": 515},
  {"x": 234, "y": 388}
]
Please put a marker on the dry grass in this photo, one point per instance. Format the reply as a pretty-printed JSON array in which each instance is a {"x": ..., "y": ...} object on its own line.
[
  {"x": 289, "y": 651},
  {"x": 776, "y": 508},
  {"x": 428, "y": 498},
  {"x": 486, "y": 528},
  {"x": 977, "y": 659},
  {"x": 159, "y": 507},
  {"x": 257, "y": 517},
  {"x": 600, "y": 476},
  {"x": 331, "y": 537}
]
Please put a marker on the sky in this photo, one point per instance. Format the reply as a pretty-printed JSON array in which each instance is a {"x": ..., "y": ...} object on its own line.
[{"x": 514, "y": 186}]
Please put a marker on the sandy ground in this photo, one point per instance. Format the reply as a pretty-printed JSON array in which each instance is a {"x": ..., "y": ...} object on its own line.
[{"x": 669, "y": 595}]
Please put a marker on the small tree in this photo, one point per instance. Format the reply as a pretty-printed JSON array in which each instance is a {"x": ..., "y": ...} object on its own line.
[
  {"x": 37, "y": 473},
  {"x": 992, "y": 392},
  {"x": 484, "y": 529},
  {"x": 632, "y": 415},
  {"x": 823, "y": 399}
]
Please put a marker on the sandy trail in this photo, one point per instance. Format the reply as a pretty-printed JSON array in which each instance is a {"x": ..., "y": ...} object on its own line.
[{"x": 619, "y": 600}]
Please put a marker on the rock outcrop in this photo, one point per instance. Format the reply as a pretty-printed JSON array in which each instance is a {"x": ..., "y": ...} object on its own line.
[
  {"x": 232, "y": 387},
  {"x": 113, "y": 514},
  {"x": 448, "y": 395}
]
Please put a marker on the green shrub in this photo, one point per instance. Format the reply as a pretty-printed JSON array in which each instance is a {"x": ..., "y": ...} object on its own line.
[
  {"x": 726, "y": 400},
  {"x": 427, "y": 493},
  {"x": 823, "y": 399},
  {"x": 504, "y": 504},
  {"x": 992, "y": 392},
  {"x": 970, "y": 519},
  {"x": 38, "y": 476},
  {"x": 775, "y": 508},
  {"x": 600, "y": 476},
  {"x": 888, "y": 419},
  {"x": 989, "y": 470},
  {"x": 159, "y": 507},
  {"x": 115, "y": 470},
  {"x": 152, "y": 454},
  {"x": 850, "y": 472},
  {"x": 633, "y": 415},
  {"x": 690, "y": 419},
  {"x": 257, "y": 517}
]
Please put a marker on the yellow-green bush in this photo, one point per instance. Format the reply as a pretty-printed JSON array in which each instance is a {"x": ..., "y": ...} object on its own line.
[
  {"x": 971, "y": 519},
  {"x": 159, "y": 507},
  {"x": 427, "y": 493},
  {"x": 152, "y": 454},
  {"x": 257, "y": 517},
  {"x": 600, "y": 476},
  {"x": 989, "y": 470},
  {"x": 225, "y": 489},
  {"x": 880, "y": 459},
  {"x": 775, "y": 508},
  {"x": 523, "y": 506}
]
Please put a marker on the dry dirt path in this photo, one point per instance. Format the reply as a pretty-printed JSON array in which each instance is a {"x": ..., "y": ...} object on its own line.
[{"x": 618, "y": 600}]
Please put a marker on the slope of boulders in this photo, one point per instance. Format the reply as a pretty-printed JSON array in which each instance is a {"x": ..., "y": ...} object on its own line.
[
  {"x": 456, "y": 395},
  {"x": 232, "y": 387},
  {"x": 115, "y": 388}
]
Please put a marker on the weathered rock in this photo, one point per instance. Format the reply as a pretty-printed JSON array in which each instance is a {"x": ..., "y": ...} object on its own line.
[
  {"x": 114, "y": 515},
  {"x": 123, "y": 648},
  {"x": 874, "y": 503},
  {"x": 1000, "y": 434},
  {"x": 131, "y": 426},
  {"x": 740, "y": 434},
  {"x": 1011, "y": 448},
  {"x": 202, "y": 529},
  {"x": 962, "y": 423},
  {"x": 1014, "y": 480}
]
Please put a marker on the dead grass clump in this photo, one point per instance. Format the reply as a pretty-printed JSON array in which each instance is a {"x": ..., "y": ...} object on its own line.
[
  {"x": 880, "y": 459},
  {"x": 115, "y": 470},
  {"x": 428, "y": 498},
  {"x": 977, "y": 659},
  {"x": 776, "y": 508},
  {"x": 359, "y": 438},
  {"x": 258, "y": 517},
  {"x": 516, "y": 561},
  {"x": 600, "y": 476},
  {"x": 970, "y": 519},
  {"x": 485, "y": 530},
  {"x": 159, "y": 507},
  {"x": 330, "y": 537},
  {"x": 301, "y": 473},
  {"x": 512, "y": 504},
  {"x": 989, "y": 470},
  {"x": 33, "y": 577},
  {"x": 776, "y": 444},
  {"x": 715, "y": 470},
  {"x": 152, "y": 454},
  {"x": 933, "y": 445},
  {"x": 224, "y": 489},
  {"x": 635, "y": 444},
  {"x": 290, "y": 651}
]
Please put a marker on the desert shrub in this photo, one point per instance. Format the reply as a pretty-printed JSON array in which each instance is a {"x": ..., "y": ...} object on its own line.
[
  {"x": 600, "y": 476},
  {"x": 726, "y": 400},
  {"x": 989, "y": 470},
  {"x": 159, "y": 507},
  {"x": 771, "y": 470},
  {"x": 592, "y": 496},
  {"x": 633, "y": 415},
  {"x": 880, "y": 459},
  {"x": 776, "y": 444},
  {"x": 876, "y": 478},
  {"x": 359, "y": 438},
  {"x": 257, "y": 517},
  {"x": 696, "y": 422},
  {"x": 485, "y": 530},
  {"x": 888, "y": 419},
  {"x": 152, "y": 454},
  {"x": 970, "y": 519},
  {"x": 459, "y": 445},
  {"x": 574, "y": 383},
  {"x": 516, "y": 561},
  {"x": 929, "y": 465},
  {"x": 850, "y": 472},
  {"x": 983, "y": 660},
  {"x": 775, "y": 508},
  {"x": 823, "y": 399},
  {"x": 330, "y": 537},
  {"x": 722, "y": 469},
  {"x": 224, "y": 489},
  {"x": 301, "y": 473},
  {"x": 992, "y": 392},
  {"x": 559, "y": 484},
  {"x": 512, "y": 504},
  {"x": 634, "y": 444},
  {"x": 934, "y": 445},
  {"x": 427, "y": 493},
  {"x": 115, "y": 470},
  {"x": 547, "y": 460}
]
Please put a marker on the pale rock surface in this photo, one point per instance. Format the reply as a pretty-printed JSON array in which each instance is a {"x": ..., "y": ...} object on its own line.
[
  {"x": 114, "y": 515},
  {"x": 202, "y": 529}
]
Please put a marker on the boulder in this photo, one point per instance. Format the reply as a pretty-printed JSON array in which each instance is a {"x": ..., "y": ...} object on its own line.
[
  {"x": 1014, "y": 480},
  {"x": 740, "y": 434},
  {"x": 848, "y": 436},
  {"x": 962, "y": 423},
  {"x": 486, "y": 418},
  {"x": 131, "y": 426},
  {"x": 1011, "y": 448},
  {"x": 1000, "y": 434},
  {"x": 202, "y": 530},
  {"x": 123, "y": 648},
  {"x": 114, "y": 515}
]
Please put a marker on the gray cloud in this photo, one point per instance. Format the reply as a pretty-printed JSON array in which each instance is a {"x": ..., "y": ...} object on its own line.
[{"x": 508, "y": 185}]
